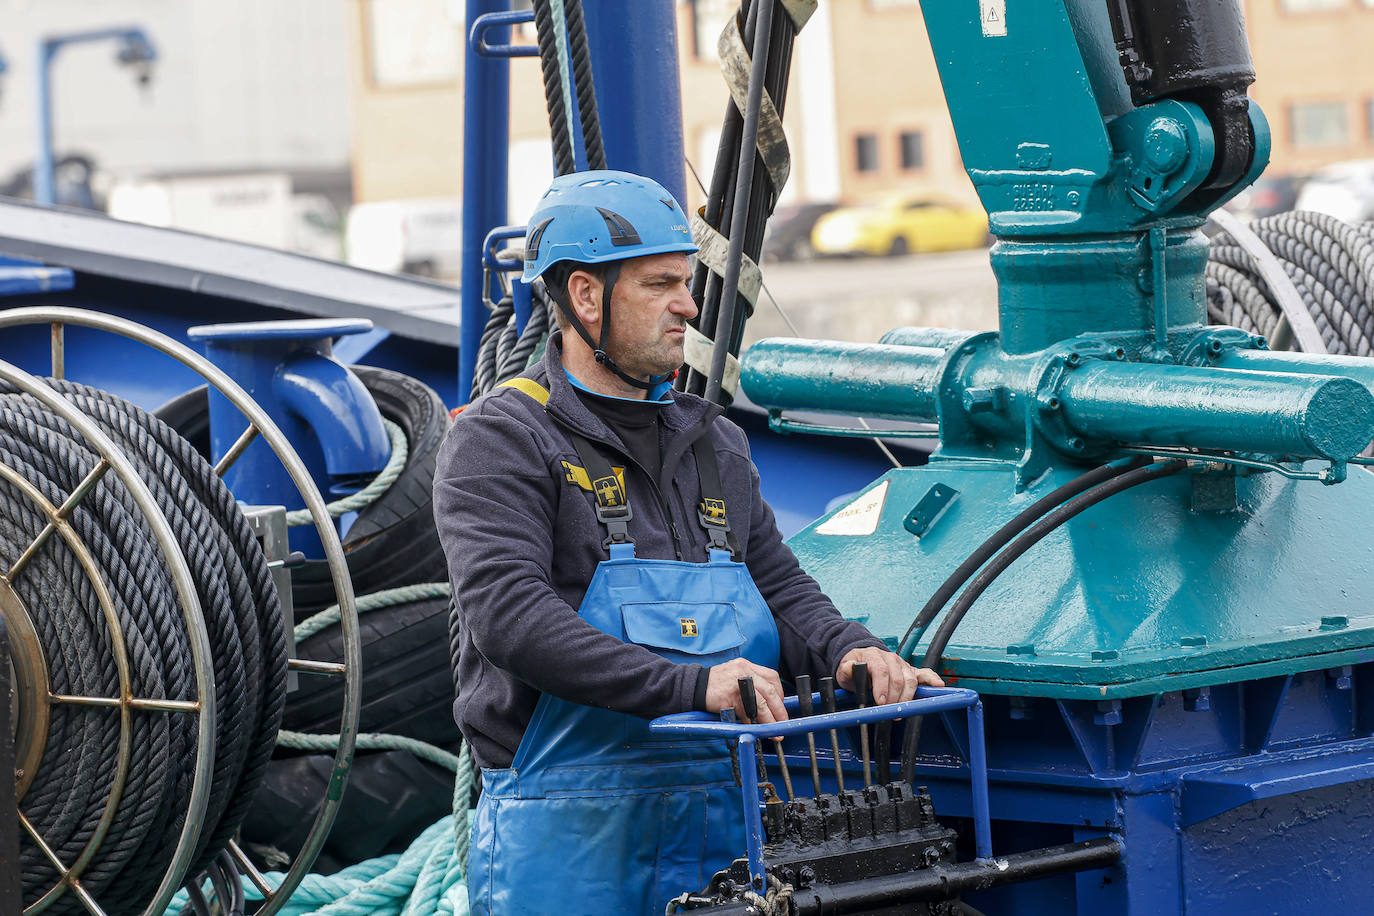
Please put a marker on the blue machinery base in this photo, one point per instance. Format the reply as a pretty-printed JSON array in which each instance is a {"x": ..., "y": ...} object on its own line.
[
  {"x": 1194, "y": 677},
  {"x": 1251, "y": 798}
]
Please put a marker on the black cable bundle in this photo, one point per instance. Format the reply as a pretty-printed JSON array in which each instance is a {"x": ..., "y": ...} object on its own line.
[
  {"x": 242, "y": 616},
  {"x": 763, "y": 197},
  {"x": 1330, "y": 262}
]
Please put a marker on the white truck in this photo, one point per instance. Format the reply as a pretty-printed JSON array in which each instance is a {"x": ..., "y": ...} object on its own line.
[{"x": 256, "y": 207}]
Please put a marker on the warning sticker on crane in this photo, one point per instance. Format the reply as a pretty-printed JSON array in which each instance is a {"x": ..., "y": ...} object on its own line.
[
  {"x": 859, "y": 517},
  {"x": 993, "y": 14}
]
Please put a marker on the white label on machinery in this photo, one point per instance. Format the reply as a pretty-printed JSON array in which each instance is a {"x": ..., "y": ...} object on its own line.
[
  {"x": 859, "y": 517},
  {"x": 993, "y": 13}
]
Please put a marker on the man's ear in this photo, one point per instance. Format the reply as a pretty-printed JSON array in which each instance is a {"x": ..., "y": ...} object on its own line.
[{"x": 584, "y": 295}]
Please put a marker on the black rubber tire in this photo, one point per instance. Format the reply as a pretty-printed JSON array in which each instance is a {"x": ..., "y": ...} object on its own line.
[
  {"x": 390, "y": 798},
  {"x": 421, "y": 414},
  {"x": 406, "y": 689},
  {"x": 899, "y": 247},
  {"x": 393, "y": 541}
]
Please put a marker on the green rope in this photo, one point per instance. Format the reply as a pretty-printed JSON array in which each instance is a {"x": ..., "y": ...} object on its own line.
[
  {"x": 371, "y": 741},
  {"x": 372, "y": 602},
  {"x": 425, "y": 880},
  {"x": 400, "y": 453}
]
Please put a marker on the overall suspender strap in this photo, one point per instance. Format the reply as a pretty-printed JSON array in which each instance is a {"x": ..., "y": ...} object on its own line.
[
  {"x": 711, "y": 509},
  {"x": 612, "y": 504}
]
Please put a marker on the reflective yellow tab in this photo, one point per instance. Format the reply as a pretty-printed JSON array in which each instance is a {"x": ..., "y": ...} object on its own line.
[
  {"x": 574, "y": 474},
  {"x": 530, "y": 387}
]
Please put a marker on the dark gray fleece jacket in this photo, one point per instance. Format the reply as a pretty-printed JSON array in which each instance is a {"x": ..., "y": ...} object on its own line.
[{"x": 523, "y": 541}]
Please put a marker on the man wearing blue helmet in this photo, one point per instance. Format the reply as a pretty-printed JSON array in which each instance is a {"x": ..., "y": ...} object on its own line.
[{"x": 612, "y": 561}]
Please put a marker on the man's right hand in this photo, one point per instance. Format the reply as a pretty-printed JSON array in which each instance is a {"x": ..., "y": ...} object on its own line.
[{"x": 722, "y": 689}]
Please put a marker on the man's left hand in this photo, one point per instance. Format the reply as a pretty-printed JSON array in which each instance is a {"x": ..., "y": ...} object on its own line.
[{"x": 892, "y": 678}]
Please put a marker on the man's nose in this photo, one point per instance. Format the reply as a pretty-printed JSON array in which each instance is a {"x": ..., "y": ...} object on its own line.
[{"x": 684, "y": 305}]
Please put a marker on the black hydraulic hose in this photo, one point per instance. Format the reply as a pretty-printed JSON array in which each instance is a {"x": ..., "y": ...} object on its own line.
[
  {"x": 940, "y": 882},
  {"x": 999, "y": 539},
  {"x": 706, "y": 282},
  {"x": 743, "y": 184},
  {"x": 564, "y": 160},
  {"x": 1111, "y": 485},
  {"x": 584, "y": 86},
  {"x": 236, "y": 901},
  {"x": 763, "y": 196},
  {"x": 1031, "y": 537}
]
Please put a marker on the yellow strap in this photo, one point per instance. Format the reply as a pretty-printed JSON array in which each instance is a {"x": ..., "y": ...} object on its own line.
[{"x": 530, "y": 387}]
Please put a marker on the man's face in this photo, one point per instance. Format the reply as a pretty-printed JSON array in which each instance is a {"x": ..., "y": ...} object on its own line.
[{"x": 651, "y": 305}]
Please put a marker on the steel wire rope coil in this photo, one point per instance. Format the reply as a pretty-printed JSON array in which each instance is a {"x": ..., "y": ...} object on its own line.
[
  {"x": 215, "y": 514},
  {"x": 52, "y": 461},
  {"x": 250, "y": 666},
  {"x": 111, "y": 459},
  {"x": 258, "y": 423}
]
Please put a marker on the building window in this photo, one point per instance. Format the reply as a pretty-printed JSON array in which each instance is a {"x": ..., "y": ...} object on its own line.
[
  {"x": 913, "y": 149},
  {"x": 709, "y": 18},
  {"x": 866, "y": 153},
  {"x": 1312, "y": 6},
  {"x": 412, "y": 43},
  {"x": 1318, "y": 124}
]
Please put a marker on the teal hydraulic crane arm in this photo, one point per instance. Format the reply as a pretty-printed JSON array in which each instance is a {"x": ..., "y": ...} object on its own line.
[{"x": 1099, "y": 134}]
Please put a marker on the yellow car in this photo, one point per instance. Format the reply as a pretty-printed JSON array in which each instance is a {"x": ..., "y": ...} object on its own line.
[{"x": 899, "y": 225}]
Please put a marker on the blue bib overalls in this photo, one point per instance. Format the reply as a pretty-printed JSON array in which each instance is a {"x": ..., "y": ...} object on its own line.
[{"x": 595, "y": 815}]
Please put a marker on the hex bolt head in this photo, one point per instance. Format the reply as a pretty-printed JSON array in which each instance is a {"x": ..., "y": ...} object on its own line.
[{"x": 1165, "y": 146}]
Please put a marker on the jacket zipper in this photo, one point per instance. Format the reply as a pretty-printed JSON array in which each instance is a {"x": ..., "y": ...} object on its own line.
[{"x": 629, "y": 459}]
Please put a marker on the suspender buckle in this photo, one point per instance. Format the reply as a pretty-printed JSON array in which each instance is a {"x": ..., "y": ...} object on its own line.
[
  {"x": 617, "y": 522},
  {"x": 711, "y": 514}
]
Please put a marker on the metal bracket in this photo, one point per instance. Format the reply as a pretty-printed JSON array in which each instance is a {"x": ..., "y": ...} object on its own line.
[{"x": 269, "y": 527}]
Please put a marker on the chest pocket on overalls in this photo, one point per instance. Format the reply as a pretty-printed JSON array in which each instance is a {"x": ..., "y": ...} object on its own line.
[{"x": 682, "y": 632}]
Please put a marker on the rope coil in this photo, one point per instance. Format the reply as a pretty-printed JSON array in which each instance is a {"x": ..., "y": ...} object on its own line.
[
  {"x": 1330, "y": 262},
  {"x": 74, "y": 781}
]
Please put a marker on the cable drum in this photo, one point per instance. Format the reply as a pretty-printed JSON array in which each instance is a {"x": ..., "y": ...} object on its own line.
[{"x": 74, "y": 782}]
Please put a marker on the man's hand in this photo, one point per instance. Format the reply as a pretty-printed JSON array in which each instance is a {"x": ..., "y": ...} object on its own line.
[
  {"x": 891, "y": 677},
  {"x": 722, "y": 689}
]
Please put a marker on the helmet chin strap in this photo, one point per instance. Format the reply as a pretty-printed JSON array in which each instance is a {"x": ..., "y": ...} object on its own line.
[{"x": 599, "y": 349}]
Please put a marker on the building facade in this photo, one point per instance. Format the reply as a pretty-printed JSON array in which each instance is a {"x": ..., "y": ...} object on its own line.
[
  {"x": 252, "y": 84},
  {"x": 865, "y": 113}
]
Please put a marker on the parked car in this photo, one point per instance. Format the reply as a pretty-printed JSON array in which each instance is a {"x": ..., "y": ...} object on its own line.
[
  {"x": 901, "y": 224},
  {"x": 1344, "y": 190},
  {"x": 1270, "y": 194},
  {"x": 418, "y": 236},
  {"x": 789, "y": 231}
]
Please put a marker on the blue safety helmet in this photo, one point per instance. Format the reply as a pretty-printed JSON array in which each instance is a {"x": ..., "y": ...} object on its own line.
[
  {"x": 599, "y": 216},
  {"x": 603, "y": 217}
]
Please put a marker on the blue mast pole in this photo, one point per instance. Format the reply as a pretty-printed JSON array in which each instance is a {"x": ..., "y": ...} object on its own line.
[
  {"x": 486, "y": 141},
  {"x": 43, "y": 190},
  {"x": 638, "y": 87}
]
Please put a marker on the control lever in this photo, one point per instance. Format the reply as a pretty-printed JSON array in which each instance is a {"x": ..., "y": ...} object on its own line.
[
  {"x": 750, "y": 700},
  {"x": 828, "y": 705},
  {"x": 860, "y": 675},
  {"x": 806, "y": 706}
]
